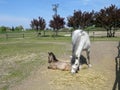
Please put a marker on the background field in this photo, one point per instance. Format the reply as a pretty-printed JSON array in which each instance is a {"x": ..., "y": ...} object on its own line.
[{"x": 24, "y": 58}]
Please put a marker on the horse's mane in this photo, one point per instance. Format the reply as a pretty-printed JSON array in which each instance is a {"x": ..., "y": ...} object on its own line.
[{"x": 54, "y": 57}]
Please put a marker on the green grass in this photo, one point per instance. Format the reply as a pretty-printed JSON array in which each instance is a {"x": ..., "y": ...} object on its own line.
[{"x": 16, "y": 62}]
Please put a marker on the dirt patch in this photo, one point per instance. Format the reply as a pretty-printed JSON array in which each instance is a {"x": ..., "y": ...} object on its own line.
[{"x": 100, "y": 77}]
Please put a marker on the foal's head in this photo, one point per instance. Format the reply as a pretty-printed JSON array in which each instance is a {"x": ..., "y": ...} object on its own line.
[{"x": 51, "y": 57}]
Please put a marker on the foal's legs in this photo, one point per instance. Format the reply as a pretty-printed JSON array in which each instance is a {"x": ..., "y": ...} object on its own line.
[{"x": 88, "y": 57}]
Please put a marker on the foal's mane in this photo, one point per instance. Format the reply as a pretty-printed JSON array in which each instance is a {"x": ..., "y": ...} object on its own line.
[{"x": 53, "y": 55}]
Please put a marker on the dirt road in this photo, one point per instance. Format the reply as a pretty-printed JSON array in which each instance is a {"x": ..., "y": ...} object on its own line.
[{"x": 100, "y": 77}]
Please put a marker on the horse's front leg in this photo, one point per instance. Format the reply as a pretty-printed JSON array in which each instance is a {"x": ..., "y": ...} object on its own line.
[{"x": 88, "y": 57}]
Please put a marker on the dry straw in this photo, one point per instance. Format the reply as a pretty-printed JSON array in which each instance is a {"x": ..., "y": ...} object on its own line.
[{"x": 86, "y": 78}]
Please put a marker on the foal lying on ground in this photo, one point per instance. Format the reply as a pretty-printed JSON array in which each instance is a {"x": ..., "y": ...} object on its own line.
[{"x": 54, "y": 63}]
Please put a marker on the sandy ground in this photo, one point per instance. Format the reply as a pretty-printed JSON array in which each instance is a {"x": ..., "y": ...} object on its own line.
[{"x": 100, "y": 77}]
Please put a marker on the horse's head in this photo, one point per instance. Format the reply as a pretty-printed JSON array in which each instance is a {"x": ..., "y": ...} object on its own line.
[
  {"x": 74, "y": 64},
  {"x": 51, "y": 57}
]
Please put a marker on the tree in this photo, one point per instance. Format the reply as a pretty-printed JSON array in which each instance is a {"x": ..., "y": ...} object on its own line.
[
  {"x": 57, "y": 23},
  {"x": 13, "y": 29},
  {"x": 19, "y": 28},
  {"x": 87, "y": 19},
  {"x": 80, "y": 19},
  {"x": 42, "y": 24},
  {"x": 3, "y": 29},
  {"x": 34, "y": 24},
  {"x": 109, "y": 19},
  {"x": 74, "y": 21},
  {"x": 38, "y": 24}
]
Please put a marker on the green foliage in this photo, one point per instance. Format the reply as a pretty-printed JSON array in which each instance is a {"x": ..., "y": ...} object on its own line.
[
  {"x": 19, "y": 28},
  {"x": 38, "y": 24},
  {"x": 3, "y": 29},
  {"x": 57, "y": 23},
  {"x": 109, "y": 19},
  {"x": 80, "y": 19}
]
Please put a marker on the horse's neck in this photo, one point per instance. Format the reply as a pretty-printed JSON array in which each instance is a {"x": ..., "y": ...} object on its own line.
[{"x": 55, "y": 59}]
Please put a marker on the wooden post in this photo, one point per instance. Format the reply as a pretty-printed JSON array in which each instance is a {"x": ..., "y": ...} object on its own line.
[
  {"x": 6, "y": 36},
  {"x": 23, "y": 35},
  {"x": 118, "y": 50},
  {"x": 118, "y": 56},
  {"x": 93, "y": 35},
  {"x": 117, "y": 80}
]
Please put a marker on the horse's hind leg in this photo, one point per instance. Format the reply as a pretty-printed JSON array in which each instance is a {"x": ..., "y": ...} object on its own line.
[{"x": 88, "y": 57}]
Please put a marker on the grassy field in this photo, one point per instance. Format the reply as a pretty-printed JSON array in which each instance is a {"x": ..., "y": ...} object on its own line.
[{"x": 21, "y": 56}]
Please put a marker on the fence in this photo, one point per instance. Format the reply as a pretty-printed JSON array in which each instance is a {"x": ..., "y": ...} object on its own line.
[
  {"x": 92, "y": 34},
  {"x": 102, "y": 33},
  {"x": 17, "y": 35},
  {"x": 14, "y": 36}
]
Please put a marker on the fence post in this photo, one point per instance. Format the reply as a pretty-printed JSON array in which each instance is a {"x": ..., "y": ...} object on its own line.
[
  {"x": 118, "y": 50},
  {"x": 93, "y": 35},
  {"x": 23, "y": 35},
  {"x": 118, "y": 56},
  {"x": 117, "y": 67},
  {"x": 6, "y": 36}
]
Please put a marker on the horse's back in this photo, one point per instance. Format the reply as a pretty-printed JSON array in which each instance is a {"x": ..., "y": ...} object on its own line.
[
  {"x": 80, "y": 36},
  {"x": 79, "y": 33}
]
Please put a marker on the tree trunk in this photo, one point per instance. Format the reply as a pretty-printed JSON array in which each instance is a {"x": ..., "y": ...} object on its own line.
[
  {"x": 110, "y": 35},
  {"x": 44, "y": 33},
  {"x": 56, "y": 32},
  {"x": 37, "y": 28},
  {"x": 113, "y": 32},
  {"x": 107, "y": 32}
]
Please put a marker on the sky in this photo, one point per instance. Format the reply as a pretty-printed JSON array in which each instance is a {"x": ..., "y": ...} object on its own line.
[{"x": 21, "y": 12}]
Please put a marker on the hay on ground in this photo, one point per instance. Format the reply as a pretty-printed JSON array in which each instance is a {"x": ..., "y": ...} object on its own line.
[{"x": 86, "y": 78}]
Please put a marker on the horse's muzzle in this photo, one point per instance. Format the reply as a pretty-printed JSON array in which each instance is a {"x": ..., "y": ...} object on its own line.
[{"x": 74, "y": 69}]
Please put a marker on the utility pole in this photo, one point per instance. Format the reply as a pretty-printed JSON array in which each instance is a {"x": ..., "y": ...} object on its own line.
[{"x": 55, "y": 7}]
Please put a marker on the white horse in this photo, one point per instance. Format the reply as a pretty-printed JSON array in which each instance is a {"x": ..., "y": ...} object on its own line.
[{"x": 80, "y": 42}]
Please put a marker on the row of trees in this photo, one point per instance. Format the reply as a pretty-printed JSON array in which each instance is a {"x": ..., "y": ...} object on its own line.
[
  {"x": 40, "y": 24},
  {"x": 108, "y": 18},
  {"x": 17, "y": 28}
]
